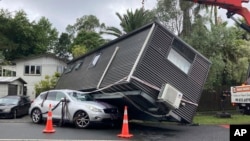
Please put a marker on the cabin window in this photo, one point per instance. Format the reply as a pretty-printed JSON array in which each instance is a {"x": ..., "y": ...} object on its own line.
[
  {"x": 69, "y": 68},
  {"x": 32, "y": 70},
  {"x": 181, "y": 56},
  {"x": 95, "y": 60},
  {"x": 78, "y": 65}
]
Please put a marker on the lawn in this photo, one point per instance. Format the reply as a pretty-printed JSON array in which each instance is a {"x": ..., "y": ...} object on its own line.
[{"x": 236, "y": 118}]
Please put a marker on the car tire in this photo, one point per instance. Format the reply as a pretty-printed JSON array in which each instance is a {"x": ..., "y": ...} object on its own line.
[
  {"x": 36, "y": 116},
  {"x": 81, "y": 119}
]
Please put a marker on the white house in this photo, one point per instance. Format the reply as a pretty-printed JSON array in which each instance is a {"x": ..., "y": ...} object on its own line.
[{"x": 34, "y": 69}]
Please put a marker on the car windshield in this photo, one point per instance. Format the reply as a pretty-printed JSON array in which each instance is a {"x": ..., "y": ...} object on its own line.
[
  {"x": 8, "y": 101},
  {"x": 80, "y": 96}
]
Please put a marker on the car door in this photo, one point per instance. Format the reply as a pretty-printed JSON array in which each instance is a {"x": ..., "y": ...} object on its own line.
[
  {"x": 54, "y": 98},
  {"x": 20, "y": 107},
  {"x": 59, "y": 96},
  {"x": 26, "y": 105}
]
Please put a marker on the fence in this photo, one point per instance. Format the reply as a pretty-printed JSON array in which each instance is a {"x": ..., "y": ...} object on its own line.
[{"x": 211, "y": 101}]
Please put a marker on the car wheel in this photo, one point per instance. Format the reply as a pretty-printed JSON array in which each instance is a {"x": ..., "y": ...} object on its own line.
[
  {"x": 81, "y": 119},
  {"x": 36, "y": 116}
]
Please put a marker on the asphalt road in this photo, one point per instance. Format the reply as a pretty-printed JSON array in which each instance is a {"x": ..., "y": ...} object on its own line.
[{"x": 24, "y": 130}]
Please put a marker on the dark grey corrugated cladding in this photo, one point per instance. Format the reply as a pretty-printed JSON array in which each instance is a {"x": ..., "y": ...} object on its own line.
[
  {"x": 155, "y": 69},
  {"x": 124, "y": 61},
  {"x": 86, "y": 77}
]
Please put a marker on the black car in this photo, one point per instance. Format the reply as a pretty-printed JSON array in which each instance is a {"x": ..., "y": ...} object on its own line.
[{"x": 14, "y": 106}]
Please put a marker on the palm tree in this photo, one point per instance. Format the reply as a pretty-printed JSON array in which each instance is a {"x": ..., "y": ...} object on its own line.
[
  {"x": 111, "y": 30},
  {"x": 186, "y": 6},
  {"x": 130, "y": 21},
  {"x": 214, "y": 12}
]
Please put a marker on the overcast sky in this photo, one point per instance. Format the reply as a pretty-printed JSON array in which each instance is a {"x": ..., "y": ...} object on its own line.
[{"x": 64, "y": 12}]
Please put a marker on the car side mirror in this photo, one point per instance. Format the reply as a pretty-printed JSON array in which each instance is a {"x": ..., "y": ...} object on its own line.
[{"x": 65, "y": 100}]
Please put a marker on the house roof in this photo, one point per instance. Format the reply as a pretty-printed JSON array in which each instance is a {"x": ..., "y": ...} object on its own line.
[
  {"x": 11, "y": 79},
  {"x": 41, "y": 55}
]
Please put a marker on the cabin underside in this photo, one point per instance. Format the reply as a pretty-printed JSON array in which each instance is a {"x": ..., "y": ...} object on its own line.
[{"x": 140, "y": 106}]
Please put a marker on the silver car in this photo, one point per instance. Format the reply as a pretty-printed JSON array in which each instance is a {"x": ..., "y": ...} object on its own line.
[{"x": 72, "y": 106}]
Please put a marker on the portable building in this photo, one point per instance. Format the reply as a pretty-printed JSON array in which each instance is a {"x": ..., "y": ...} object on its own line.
[{"x": 152, "y": 71}]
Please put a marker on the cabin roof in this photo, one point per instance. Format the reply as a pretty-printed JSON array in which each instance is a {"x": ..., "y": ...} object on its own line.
[{"x": 115, "y": 40}]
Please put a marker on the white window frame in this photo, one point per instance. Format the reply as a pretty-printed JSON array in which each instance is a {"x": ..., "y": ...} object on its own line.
[
  {"x": 179, "y": 61},
  {"x": 95, "y": 60},
  {"x": 34, "y": 71}
]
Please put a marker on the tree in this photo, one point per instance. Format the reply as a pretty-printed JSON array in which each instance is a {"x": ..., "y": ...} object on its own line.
[
  {"x": 78, "y": 50},
  {"x": 89, "y": 23},
  {"x": 186, "y": 7},
  {"x": 224, "y": 47},
  {"x": 19, "y": 37},
  {"x": 5, "y": 26},
  {"x": 45, "y": 36},
  {"x": 84, "y": 35},
  {"x": 48, "y": 83},
  {"x": 170, "y": 15},
  {"x": 90, "y": 40},
  {"x": 178, "y": 15},
  {"x": 62, "y": 47},
  {"x": 131, "y": 21},
  {"x": 114, "y": 31}
]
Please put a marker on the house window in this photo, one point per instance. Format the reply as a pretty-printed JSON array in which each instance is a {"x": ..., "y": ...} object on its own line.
[
  {"x": 181, "y": 56},
  {"x": 95, "y": 60},
  {"x": 6, "y": 72},
  {"x": 32, "y": 70},
  {"x": 38, "y": 69},
  {"x": 26, "y": 69},
  {"x": 60, "y": 69}
]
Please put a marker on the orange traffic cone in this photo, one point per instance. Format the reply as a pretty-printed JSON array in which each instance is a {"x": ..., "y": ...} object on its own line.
[
  {"x": 49, "y": 125},
  {"x": 125, "y": 130}
]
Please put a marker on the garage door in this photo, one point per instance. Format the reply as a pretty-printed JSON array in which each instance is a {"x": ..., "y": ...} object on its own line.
[{"x": 12, "y": 89}]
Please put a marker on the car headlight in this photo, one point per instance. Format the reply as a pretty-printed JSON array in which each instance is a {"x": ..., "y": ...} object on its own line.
[
  {"x": 94, "y": 109},
  {"x": 7, "y": 110}
]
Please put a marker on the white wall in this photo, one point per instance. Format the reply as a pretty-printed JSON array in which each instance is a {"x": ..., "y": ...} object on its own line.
[
  {"x": 3, "y": 90},
  {"x": 49, "y": 66}
]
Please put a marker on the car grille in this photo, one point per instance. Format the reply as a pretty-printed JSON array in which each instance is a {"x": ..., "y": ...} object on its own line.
[{"x": 111, "y": 111}]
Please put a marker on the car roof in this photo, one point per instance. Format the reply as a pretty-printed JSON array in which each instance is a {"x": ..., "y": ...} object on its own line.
[{"x": 64, "y": 90}]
